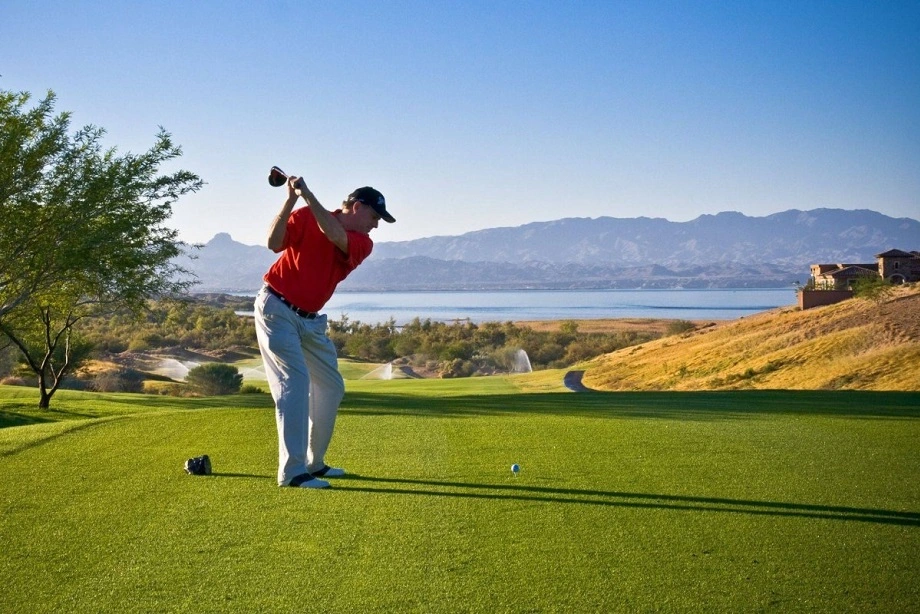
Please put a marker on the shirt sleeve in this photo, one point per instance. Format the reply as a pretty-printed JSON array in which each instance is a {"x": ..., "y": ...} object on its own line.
[{"x": 359, "y": 248}]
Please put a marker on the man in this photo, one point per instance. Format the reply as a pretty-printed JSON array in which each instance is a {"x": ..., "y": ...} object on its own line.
[{"x": 318, "y": 249}]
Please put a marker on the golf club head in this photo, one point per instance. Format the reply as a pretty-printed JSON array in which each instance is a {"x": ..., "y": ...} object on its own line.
[{"x": 276, "y": 177}]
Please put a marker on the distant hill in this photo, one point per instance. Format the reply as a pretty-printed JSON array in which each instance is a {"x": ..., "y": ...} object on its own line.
[
  {"x": 854, "y": 345},
  {"x": 223, "y": 265},
  {"x": 724, "y": 250},
  {"x": 791, "y": 239}
]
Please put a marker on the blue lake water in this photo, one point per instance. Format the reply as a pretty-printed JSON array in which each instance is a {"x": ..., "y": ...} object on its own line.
[{"x": 504, "y": 306}]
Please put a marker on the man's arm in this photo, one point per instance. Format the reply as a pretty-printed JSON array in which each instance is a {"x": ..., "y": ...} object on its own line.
[
  {"x": 278, "y": 230},
  {"x": 330, "y": 226}
]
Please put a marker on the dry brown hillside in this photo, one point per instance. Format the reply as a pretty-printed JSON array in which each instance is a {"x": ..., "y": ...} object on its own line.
[{"x": 856, "y": 344}]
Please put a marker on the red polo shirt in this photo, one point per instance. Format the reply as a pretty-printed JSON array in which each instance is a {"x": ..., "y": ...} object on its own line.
[{"x": 311, "y": 266}]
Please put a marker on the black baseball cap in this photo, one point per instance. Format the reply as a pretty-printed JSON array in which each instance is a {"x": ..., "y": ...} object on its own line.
[{"x": 374, "y": 199}]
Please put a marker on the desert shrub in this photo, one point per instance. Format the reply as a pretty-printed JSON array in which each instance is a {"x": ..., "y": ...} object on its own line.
[
  {"x": 138, "y": 343},
  {"x": 504, "y": 357},
  {"x": 250, "y": 389},
  {"x": 771, "y": 366},
  {"x": 872, "y": 288},
  {"x": 677, "y": 327},
  {"x": 569, "y": 327},
  {"x": 14, "y": 380},
  {"x": 71, "y": 382},
  {"x": 462, "y": 350},
  {"x": 545, "y": 354},
  {"x": 456, "y": 368},
  {"x": 111, "y": 345},
  {"x": 406, "y": 345},
  {"x": 370, "y": 344},
  {"x": 215, "y": 378},
  {"x": 119, "y": 380},
  {"x": 585, "y": 349},
  {"x": 171, "y": 389}
]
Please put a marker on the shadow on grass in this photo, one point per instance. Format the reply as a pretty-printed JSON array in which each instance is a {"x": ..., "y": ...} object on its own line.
[
  {"x": 28, "y": 416},
  {"x": 630, "y": 500},
  {"x": 86, "y": 405},
  {"x": 712, "y": 405},
  {"x": 101, "y": 408},
  {"x": 15, "y": 418},
  {"x": 70, "y": 426},
  {"x": 250, "y": 476}
]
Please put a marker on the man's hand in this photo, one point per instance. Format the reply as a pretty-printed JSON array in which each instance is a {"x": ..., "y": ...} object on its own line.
[{"x": 296, "y": 187}]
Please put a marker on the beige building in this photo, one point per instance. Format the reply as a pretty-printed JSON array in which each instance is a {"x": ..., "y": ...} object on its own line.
[
  {"x": 895, "y": 265},
  {"x": 899, "y": 267}
]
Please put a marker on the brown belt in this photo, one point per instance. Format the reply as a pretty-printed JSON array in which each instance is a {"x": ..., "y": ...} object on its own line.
[{"x": 310, "y": 315}]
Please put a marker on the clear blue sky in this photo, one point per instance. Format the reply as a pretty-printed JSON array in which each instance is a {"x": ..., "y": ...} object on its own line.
[{"x": 471, "y": 115}]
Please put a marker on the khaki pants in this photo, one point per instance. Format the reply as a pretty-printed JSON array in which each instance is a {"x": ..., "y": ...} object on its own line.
[{"x": 302, "y": 371}]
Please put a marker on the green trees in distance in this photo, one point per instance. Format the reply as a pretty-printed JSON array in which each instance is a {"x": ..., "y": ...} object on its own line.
[
  {"x": 82, "y": 232},
  {"x": 461, "y": 349},
  {"x": 187, "y": 322},
  {"x": 210, "y": 323}
]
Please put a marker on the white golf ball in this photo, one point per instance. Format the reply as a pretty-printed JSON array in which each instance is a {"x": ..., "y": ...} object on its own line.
[{"x": 515, "y": 468}]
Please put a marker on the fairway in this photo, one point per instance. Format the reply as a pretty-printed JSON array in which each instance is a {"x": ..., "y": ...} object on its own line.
[{"x": 625, "y": 502}]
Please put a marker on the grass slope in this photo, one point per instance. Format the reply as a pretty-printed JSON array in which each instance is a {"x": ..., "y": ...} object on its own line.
[
  {"x": 709, "y": 501},
  {"x": 856, "y": 344}
]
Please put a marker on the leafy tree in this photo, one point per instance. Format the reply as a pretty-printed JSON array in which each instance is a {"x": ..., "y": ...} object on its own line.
[
  {"x": 43, "y": 332},
  {"x": 30, "y": 140},
  {"x": 82, "y": 231},
  {"x": 215, "y": 378}
]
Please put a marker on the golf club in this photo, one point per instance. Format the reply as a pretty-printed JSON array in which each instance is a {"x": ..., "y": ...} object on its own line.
[{"x": 277, "y": 177}]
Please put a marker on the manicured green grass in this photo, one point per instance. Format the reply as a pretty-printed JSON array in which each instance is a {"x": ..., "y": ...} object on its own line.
[{"x": 723, "y": 501}]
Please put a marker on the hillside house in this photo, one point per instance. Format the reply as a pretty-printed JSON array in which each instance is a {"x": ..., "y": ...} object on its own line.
[
  {"x": 840, "y": 276},
  {"x": 895, "y": 265},
  {"x": 834, "y": 282},
  {"x": 899, "y": 267}
]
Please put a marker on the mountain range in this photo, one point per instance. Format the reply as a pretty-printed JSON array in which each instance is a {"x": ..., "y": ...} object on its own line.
[{"x": 725, "y": 250}]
